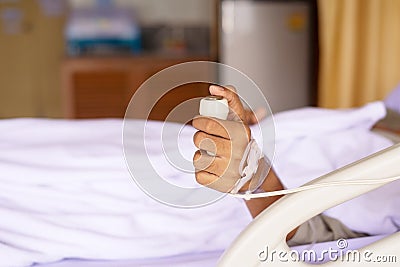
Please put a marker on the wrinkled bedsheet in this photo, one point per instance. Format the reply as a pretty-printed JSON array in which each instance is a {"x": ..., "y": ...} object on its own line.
[{"x": 66, "y": 193}]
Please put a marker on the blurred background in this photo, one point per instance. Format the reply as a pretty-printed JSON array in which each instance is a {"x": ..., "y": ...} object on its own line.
[{"x": 86, "y": 58}]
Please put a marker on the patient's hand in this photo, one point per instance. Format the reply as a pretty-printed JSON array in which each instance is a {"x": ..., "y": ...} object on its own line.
[
  {"x": 236, "y": 107},
  {"x": 226, "y": 139},
  {"x": 251, "y": 117}
]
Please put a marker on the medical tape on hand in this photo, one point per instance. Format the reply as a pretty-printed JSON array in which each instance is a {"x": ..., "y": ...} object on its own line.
[{"x": 249, "y": 168}]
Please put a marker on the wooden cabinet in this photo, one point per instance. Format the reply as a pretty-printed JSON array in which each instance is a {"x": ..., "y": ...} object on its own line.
[{"x": 103, "y": 87}]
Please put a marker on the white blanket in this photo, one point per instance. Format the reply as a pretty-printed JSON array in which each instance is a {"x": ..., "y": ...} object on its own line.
[
  {"x": 312, "y": 142},
  {"x": 65, "y": 191}
]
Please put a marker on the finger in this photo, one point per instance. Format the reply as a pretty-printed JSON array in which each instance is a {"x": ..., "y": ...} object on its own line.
[
  {"x": 213, "y": 144},
  {"x": 215, "y": 165},
  {"x": 201, "y": 161},
  {"x": 205, "y": 178},
  {"x": 229, "y": 93},
  {"x": 222, "y": 128},
  {"x": 210, "y": 126},
  {"x": 214, "y": 182}
]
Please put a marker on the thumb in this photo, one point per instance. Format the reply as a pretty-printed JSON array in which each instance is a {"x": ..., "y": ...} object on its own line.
[{"x": 236, "y": 109}]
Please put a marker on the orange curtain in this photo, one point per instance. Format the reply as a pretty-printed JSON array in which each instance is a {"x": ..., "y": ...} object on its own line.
[{"x": 359, "y": 51}]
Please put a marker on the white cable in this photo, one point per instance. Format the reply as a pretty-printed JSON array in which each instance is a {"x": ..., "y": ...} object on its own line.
[{"x": 249, "y": 196}]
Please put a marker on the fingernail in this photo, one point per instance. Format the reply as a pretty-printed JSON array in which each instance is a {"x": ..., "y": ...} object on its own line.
[{"x": 217, "y": 87}]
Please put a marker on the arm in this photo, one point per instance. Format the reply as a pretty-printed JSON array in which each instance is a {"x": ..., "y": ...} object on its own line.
[
  {"x": 257, "y": 205},
  {"x": 271, "y": 183},
  {"x": 227, "y": 140}
]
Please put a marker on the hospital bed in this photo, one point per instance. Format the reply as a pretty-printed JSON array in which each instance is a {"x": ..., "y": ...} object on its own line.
[
  {"x": 272, "y": 226},
  {"x": 67, "y": 199}
]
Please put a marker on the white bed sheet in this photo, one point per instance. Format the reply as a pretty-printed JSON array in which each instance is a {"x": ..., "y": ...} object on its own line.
[
  {"x": 312, "y": 142},
  {"x": 210, "y": 259},
  {"x": 65, "y": 193}
]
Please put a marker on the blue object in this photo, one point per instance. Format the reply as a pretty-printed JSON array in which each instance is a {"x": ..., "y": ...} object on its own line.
[{"x": 102, "y": 28}]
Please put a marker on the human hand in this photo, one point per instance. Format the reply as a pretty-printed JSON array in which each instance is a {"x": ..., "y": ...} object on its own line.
[
  {"x": 254, "y": 117},
  {"x": 226, "y": 139},
  {"x": 236, "y": 107}
]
